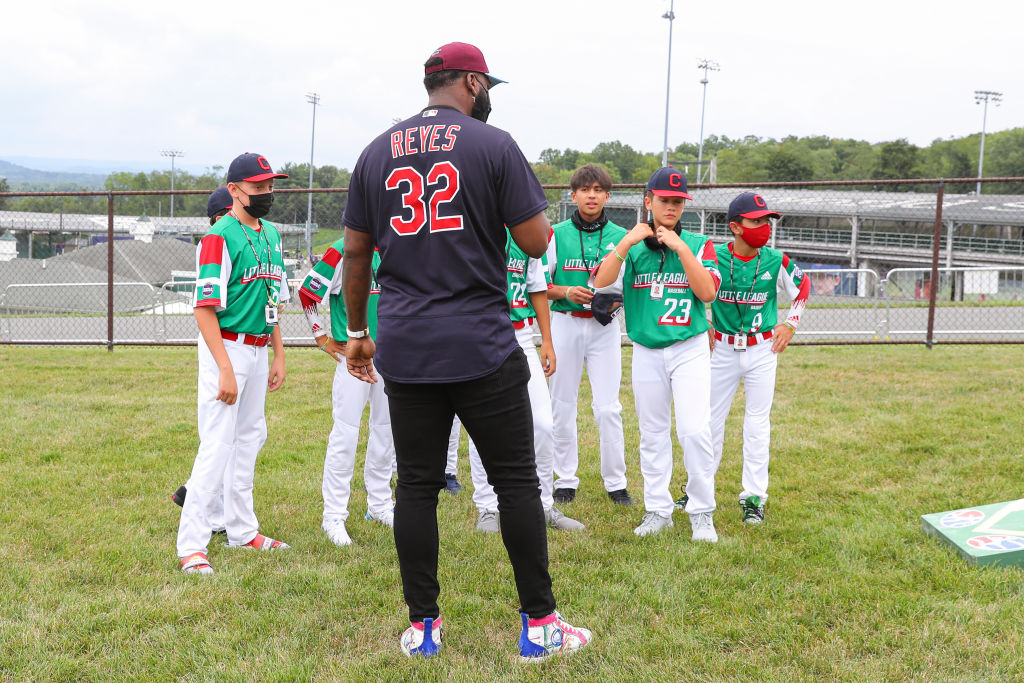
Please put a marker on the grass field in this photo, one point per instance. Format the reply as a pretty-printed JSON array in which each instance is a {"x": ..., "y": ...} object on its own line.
[{"x": 839, "y": 584}]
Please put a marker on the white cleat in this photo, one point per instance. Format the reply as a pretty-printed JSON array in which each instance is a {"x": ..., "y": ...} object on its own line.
[
  {"x": 487, "y": 522},
  {"x": 557, "y": 520},
  {"x": 336, "y": 531},
  {"x": 703, "y": 525},
  {"x": 653, "y": 523},
  {"x": 387, "y": 518}
]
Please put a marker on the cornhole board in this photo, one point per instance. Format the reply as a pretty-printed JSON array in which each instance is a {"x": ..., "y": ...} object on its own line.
[{"x": 987, "y": 535}]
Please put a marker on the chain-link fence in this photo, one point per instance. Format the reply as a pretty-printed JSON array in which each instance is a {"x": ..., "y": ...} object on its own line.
[{"x": 919, "y": 261}]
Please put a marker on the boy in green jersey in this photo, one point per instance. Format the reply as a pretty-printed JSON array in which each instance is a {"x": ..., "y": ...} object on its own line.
[
  {"x": 240, "y": 285},
  {"x": 576, "y": 248},
  {"x": 747, "y": 339},
  {"x": 669, "y": 275}
]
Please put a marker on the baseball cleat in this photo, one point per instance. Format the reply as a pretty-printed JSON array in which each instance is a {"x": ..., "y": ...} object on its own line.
[
  {"x": 564, "y": 495},
  {"x": 653, "y": 523},
  {"x": 542, "y": 638},
  {"x": 422, "y": 638},
  {"x": 681, "y": 503},
  {"x": 557, "y": 520},
  {"x": 752, "y": 509},
  {"x": 178, "y": 497},
  {"x": 451, "y": 484},
  {"x": 261, "y": 542},
  {"x": 387, "y": 518},
  {"x": 196, "y": 563},
  {"x": 336, "y": 531},
  {"x": 487, "y": 522},
  {"x": 621, "y": 497},
  {"x": 703, "y": 526}
]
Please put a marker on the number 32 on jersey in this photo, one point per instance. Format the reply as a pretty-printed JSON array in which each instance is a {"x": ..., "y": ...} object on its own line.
[
  {"x": 677, "y": 312},
  {"x": 441, "y": 184}
]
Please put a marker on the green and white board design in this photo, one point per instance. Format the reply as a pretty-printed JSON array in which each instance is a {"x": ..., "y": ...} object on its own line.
[{"x": 984, "y": 534}]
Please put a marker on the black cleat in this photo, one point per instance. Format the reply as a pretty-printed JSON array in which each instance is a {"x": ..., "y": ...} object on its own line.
[
  {"x": 621, "y": 497},
  {"x": 564, "y": 495},
  {"x": 681, "y": 503},
  {"x": 451, "y": 484},
  {"x": 178, "y": 497}
]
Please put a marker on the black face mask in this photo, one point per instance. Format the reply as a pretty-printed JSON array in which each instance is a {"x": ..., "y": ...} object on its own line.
[
  {"x": 652, "y": 242},
  {"x": 481, "y": 106},
  {"x": 259, "y": 204}
]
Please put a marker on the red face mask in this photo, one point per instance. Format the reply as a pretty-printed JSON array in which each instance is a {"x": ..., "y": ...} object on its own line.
[{"x": 757, "y": 237}]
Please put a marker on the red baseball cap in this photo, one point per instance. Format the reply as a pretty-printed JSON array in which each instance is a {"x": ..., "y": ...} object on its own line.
[
  {"x": 668, "y": 182},
  {"x": 460, "y": 57},
  {"x": 251, "y": 167}
]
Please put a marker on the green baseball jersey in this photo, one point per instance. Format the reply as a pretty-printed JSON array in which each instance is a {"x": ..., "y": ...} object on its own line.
[
  {"x": 525, "y": 276},
  {"x": 239, "y": 270},
  {"x": 678, "y": 314},
  {"x": 324, "y": 280},
  {"x": 573, "y": 255},
  {"x": 748, "y": 297}
]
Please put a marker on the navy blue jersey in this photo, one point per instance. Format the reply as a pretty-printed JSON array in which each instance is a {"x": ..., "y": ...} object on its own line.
[{"x": 435, "y": 193}]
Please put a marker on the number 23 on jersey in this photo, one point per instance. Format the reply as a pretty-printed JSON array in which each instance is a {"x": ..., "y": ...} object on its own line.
[{"x": 677, "y": 312}]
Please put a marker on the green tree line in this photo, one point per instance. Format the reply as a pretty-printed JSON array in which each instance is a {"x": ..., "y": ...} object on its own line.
[{"x": 748, "y": 159}]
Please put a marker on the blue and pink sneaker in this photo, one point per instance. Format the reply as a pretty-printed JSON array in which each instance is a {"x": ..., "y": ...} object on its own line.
[
  {"x": 550, "y": 636},
  {"x": 422, "y": 638}
]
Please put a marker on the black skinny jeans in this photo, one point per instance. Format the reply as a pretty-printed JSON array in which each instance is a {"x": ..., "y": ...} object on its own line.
[{"x": 495, "y": 409}]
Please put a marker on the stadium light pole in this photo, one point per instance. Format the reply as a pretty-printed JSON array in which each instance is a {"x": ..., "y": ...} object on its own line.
[
  {"x": 984, "y": 96},
  {"x": 670, "y": 15},
  {"x": 707, "y": 65},
  {"x": 173, "y": 154},
  {"x": 314, "y": 99}
]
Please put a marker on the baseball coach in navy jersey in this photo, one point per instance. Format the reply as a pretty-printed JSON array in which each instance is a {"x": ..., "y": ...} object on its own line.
[{"x": 434, "y": 194}]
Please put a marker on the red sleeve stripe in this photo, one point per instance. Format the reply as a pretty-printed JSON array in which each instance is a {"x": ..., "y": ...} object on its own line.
[
  {"x": 212, "y": 250},
  {"x": 805, "y": 289},
  {"x": 709, "y": 252},
  {"x": 308, "y": 298},
  {"x": 785, "y": 261},
  {"x": 332, "y": 257}
]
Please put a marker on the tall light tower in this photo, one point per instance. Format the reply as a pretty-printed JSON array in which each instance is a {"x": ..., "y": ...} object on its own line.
[
  {"x": 173, "y": 154},
  {"x": 670, "y": 15},
  {"x": 707, "y": 65},
  {"x": 314, "y": 99},
  {"x": 981, "y": 96}
]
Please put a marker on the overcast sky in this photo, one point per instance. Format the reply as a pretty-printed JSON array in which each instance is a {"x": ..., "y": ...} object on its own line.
[{"x": 109, "y": 80}]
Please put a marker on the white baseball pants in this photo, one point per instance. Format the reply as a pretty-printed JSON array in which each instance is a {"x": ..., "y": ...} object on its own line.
[
  {"x": 452, "y": 466},
  {"x": 757, "y": 368},
  {"x": 230, "y": 437},
  {"x": 681, "y": 375},
  {"x": 349, "y": 397},
  {"x": 543, "y": 444},
  {"x": 578, "y": 341}
]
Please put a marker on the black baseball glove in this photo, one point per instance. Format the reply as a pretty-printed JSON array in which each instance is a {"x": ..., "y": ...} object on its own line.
[{"x": 605, "y": 306}]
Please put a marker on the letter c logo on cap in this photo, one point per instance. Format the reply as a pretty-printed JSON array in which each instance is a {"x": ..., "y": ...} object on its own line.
[
  {"x": 264, "y": 164},
  {"x": 675, "y": 180},
  {"x": 759, "y": 201}
]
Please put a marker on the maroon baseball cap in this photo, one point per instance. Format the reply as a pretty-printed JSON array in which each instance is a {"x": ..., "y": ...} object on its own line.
[
  {"x": 668, "y": 182},
  {"x": 460, "y": 57},
  {"x": 750, "y": 205},
  {"x": 251, "y": 167}
]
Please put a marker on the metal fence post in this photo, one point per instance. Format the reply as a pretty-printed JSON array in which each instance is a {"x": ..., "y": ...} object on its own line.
[
  {"x": 110, "y": 271},
  {"x": 933, "y": 289}
]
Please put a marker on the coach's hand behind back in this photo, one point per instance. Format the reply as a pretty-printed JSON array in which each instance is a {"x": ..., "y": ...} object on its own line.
[{"x": 359, "y": 359}]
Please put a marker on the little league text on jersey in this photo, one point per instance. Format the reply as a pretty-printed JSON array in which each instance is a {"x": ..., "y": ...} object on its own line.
[{"x": 264, "y": 271}]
